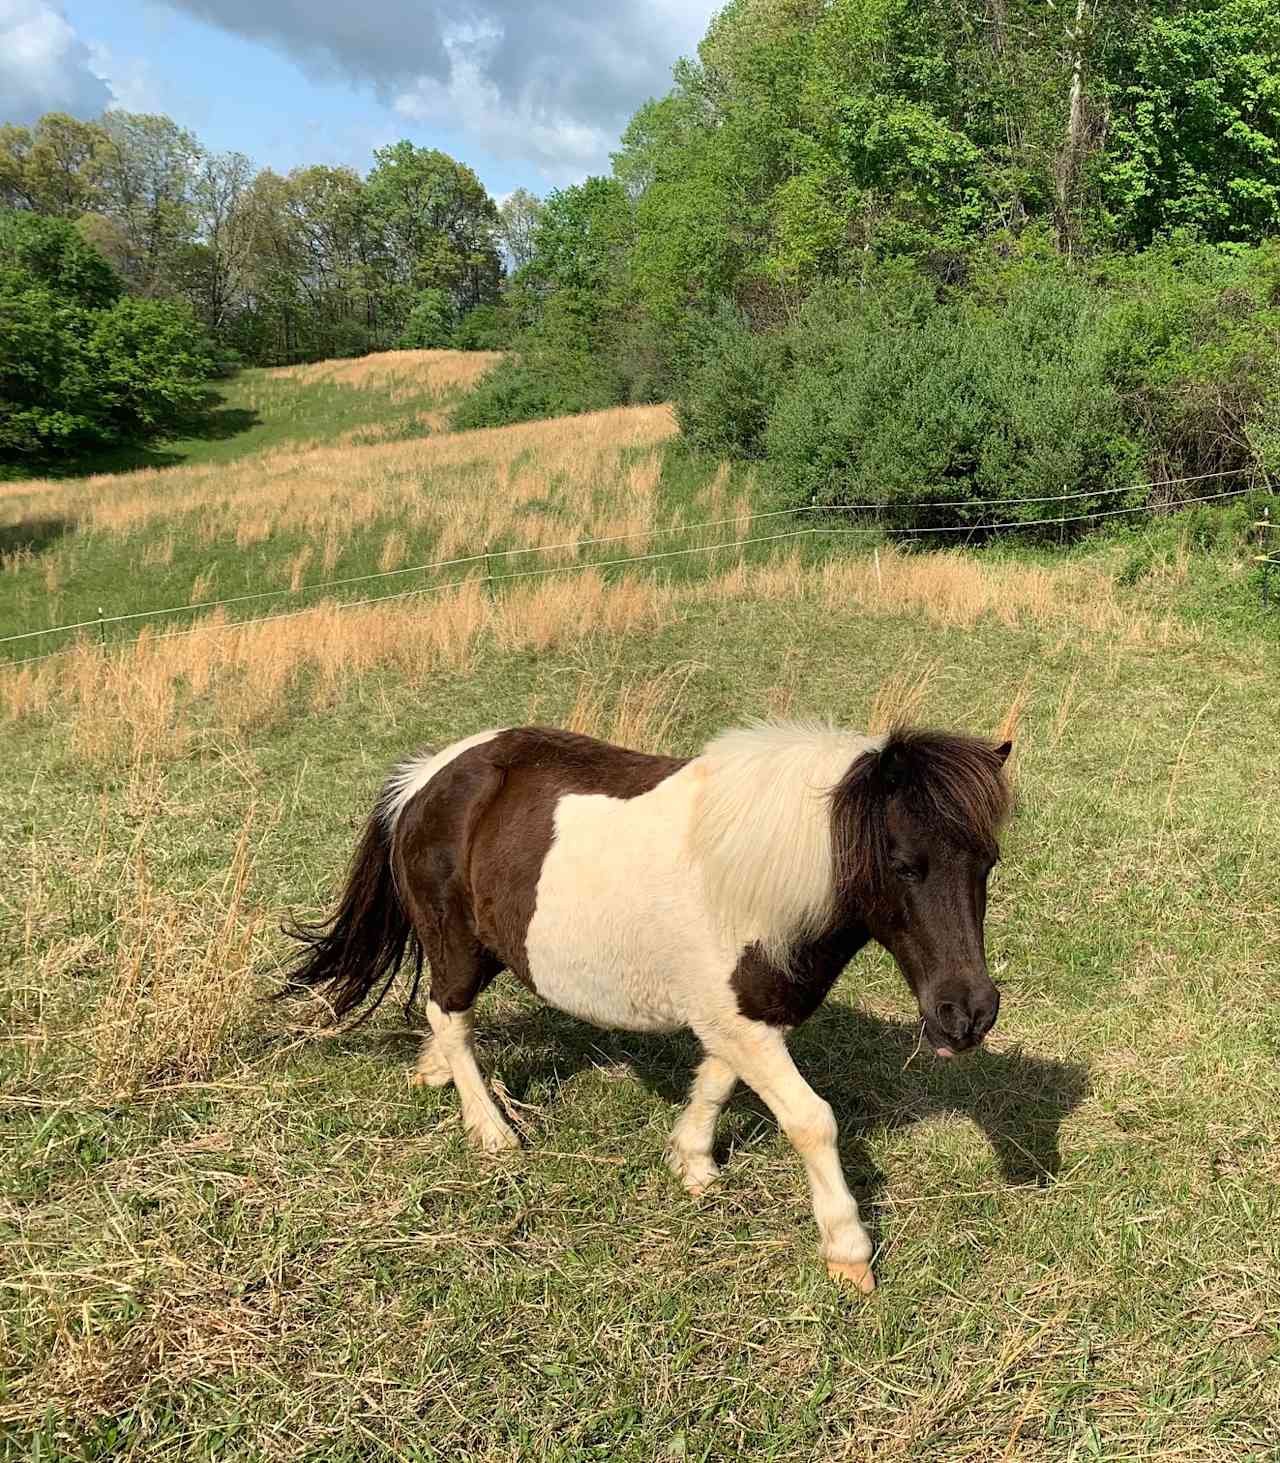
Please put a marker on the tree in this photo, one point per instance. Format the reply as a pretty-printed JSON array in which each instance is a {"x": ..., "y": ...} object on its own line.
[
  {"x": 438, "y": 227},
  {"x": 148, "y": 214},
  {"x": 518, "y": 219},
  {"x": 81, "y": 363},
  {"x": 55, "y": 168},
  {"x": 582, "y": 239},
  {"x": 213, "y": 266},
  {"x": 39, "y": 252},
  {"x": 1193, "y": 137}
]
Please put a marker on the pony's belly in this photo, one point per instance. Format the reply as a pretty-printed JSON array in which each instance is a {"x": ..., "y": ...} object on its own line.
[
  {"x": 597, "y": 991},
  {"x": 618, "y": 934}
]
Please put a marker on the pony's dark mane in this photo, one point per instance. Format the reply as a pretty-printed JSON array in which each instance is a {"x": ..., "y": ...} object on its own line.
[{"x": 952, "y": 785}]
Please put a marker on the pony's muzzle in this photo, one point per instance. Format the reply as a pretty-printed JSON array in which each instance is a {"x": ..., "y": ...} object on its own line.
[{"x": 960, "y": 1020}]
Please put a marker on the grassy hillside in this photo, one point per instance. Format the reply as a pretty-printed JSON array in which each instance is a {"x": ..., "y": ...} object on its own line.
[{"x": 230, "y": 1232}]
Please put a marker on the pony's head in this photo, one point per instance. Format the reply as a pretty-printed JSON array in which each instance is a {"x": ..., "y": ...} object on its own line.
[{"x": 915, "y": 826}]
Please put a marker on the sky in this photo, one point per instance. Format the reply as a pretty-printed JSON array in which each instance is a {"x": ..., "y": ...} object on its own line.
[{"x": 529, "y": 93}]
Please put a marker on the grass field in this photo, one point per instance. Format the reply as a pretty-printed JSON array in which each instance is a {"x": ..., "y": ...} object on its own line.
[{"x": 230, "y": 1233}]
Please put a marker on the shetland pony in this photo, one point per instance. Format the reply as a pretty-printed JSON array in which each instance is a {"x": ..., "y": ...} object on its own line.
[{"x": 724, "y": 893}]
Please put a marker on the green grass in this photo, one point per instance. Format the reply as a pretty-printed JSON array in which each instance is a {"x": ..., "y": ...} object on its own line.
[
  {"x": 1076, "y": 1231},
  {"x": 259, "y": 410},
  {"x": 250, "y": 1240}
]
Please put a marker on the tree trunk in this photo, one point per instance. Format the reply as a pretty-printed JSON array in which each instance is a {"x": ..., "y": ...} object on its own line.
[{"x": 1069, "y": 158}]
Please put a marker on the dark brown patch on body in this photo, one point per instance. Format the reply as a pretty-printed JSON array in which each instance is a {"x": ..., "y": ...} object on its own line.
[
  {"x": 471, "y": 844},
  {"x": 788, "y": 997}
]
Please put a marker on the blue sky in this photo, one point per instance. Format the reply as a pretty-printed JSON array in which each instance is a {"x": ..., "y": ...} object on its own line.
[{"x": 529, "y": 93}]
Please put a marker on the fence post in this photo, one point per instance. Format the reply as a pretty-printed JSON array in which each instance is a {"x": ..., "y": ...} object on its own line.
[
  {"x": 102, "y": 629},
  {"x": 1268, "y": 557}
]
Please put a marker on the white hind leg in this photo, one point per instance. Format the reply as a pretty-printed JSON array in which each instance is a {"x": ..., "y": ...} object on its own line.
[
  {"x": 689, "y": 1149},
  {"x": 759, "y": 1055},
  {"x": 485, "y": 1125}
]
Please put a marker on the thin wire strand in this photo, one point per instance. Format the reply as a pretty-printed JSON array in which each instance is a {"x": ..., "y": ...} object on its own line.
[
  {"x": 1045, "y": 522},
  {"x": 914, "y": 533},
  {"x": 582, "y": 543}
]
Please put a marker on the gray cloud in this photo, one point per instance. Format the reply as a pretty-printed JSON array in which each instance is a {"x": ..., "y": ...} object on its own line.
[
  {"x": 550, "y": 80},
  {"x": 44, "y": 65}
]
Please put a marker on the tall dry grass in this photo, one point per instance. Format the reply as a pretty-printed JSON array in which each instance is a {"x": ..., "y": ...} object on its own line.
[
  {"x": 533, "y": 493},
  {"x": 642, "y": 714},
  {"x": 407, "y": 372},
  {"x": 181, "y": 979},
  {"x": 150, "y": 698},
  {"x": 955, "y": 588}
]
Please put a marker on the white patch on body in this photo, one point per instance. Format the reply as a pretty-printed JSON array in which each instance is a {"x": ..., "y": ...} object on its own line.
[
  {"x": 644, "y": 903},
  {"x": 618, "y": 928},
  {"x": 410, "y": 777}
]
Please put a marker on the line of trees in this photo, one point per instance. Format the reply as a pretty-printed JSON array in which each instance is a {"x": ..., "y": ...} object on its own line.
[
  {"x": 933, "y": 250},
  {"x": 320, "y": 262},
  {"x": 878, "y": 244}
]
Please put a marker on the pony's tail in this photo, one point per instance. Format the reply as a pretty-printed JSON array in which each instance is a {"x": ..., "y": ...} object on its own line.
[{"x": 367, "y": 937}]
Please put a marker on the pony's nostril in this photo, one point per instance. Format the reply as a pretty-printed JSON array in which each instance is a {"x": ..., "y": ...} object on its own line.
[{"x": 954, "y": 1020}]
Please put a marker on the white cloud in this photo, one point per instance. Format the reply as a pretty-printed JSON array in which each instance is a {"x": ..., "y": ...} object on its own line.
[
  {"x": 130, "y": 80},
  {"x": 529, "y": 127},
  {"x": 550, "y": 81},
  {"x": 44, "y": 65}
]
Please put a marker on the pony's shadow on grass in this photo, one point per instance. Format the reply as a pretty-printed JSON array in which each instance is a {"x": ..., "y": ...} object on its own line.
[
  {"x": 868, "y": 1068},
  {"x": 34, "y": 535}
]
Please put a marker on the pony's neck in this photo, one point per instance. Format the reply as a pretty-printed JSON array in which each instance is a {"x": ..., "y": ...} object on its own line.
[{"x": 761, "y": 830}]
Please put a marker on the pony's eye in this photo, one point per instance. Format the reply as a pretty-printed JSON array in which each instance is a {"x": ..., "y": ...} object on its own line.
[{"x": 912, "y": 876}]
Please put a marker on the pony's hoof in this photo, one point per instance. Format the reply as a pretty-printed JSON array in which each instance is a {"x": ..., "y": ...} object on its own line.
[
  {"x": 429, "y": 1079},
  {"x": 493, "y": 1139},
  {"x": 858, "y": 1274},
  {"x": 697, "y": 1172}
]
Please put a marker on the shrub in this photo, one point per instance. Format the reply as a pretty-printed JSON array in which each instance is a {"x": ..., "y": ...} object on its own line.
[
  {"x": 430, "y": 323},
  {"x": 483, "y": 328},
  {"x": 82, "y": 365},
  {"x": 730, "y": 382},
  {"x": 559, "y": 369},
  {"x": 1192, "y": 341},
  {"x": 900, "y": 398}
]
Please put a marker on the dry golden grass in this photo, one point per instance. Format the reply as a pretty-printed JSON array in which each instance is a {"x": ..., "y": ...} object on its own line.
[
  {"x": 641, "y": 715},
  {"x": 152, "y": 696},
  {"x": 468, "y": 489},
  {"x": 407, "y": 371},
  {"x": 125, "y": 705},
  {"x": 901, "y": 697},
  {"x": 960, "y": 589},
  {"x": 181, "y": 979}
]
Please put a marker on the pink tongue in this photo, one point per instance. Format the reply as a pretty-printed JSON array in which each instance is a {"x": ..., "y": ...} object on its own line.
[{"x": 944, "y": 1051}]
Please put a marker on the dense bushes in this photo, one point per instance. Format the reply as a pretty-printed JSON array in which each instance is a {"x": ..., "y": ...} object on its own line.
[
  {"x": 1038, "y": 377},
  {"x": 82, "y": 365},
  {"x": 562, "y": 365}
]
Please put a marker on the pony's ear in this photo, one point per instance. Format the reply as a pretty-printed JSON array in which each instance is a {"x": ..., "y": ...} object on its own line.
[{"x": 1003, "y": 750}]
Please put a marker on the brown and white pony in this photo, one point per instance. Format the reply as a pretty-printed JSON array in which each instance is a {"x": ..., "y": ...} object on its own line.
[{"x": 724, "y": 893}]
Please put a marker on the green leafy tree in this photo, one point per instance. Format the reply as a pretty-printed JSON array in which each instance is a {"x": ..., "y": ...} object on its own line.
[
  {"x": 55, "y": 167},
  {"x": 582, "y": 240},
  {"x": 430, "y": 322},
  {"x": 1193, "y": 137},
  {"x": 437, "y": 228},
  {"x": 148, "y": 213},
  {"x": 517, "y": 221},
  {"x": 81, "y": 363}
]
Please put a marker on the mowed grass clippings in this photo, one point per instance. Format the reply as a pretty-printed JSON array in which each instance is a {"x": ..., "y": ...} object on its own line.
[{"x": 229, "y": 1231}]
